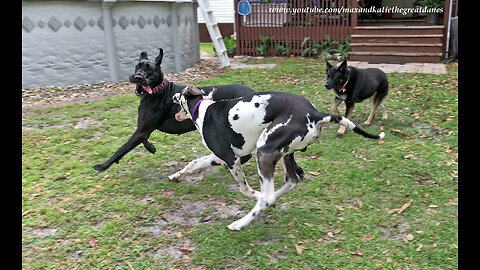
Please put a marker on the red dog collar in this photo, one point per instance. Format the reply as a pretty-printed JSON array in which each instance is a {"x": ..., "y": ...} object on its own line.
[{"x": 156, "y": 89}]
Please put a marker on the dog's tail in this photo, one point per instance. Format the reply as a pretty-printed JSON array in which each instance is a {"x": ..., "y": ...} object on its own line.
[{"x": 324, "y": 118}]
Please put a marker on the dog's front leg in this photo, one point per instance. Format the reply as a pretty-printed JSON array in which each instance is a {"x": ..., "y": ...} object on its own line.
[
  {"x": 149, "y": 146},
  {"x": 335, "y": 104},
  {"x": 195, "y": 165},
  {"x": 140, "y": 135},
  {"x": 237, "y": 172}
]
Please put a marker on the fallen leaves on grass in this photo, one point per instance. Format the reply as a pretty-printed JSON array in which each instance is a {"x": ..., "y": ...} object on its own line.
[
  {"x": 299, "y": 249},
  {"x": 415, "y": 116},
  {"x": 403, "y": 134},
  {"x": 186, "y": 249},
  {"x": 401, "y": 209},
  {"x": 26, "y": 212},
  {"x": 368, "y": 237},
  {"x": 331, "y": 235},
  {"x": 37, "y": 188},
  {"x": 92, "y": 242},
  {"x": 357, "y": 253},
  {"x": 408, "y": 237},
  {"x": 129, "y": 265}
]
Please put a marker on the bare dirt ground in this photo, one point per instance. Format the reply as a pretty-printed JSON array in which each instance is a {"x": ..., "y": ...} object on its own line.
[{"x": 53, "y": 96}]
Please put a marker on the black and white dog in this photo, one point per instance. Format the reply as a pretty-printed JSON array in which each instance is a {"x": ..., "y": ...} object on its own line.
[
  {"x": 275, "y": 124},
  {"x": 157, "y": 110},
  {"x": 353, "y": 85}
]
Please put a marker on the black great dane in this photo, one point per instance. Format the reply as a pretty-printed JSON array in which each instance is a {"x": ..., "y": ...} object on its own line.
[
  {"x": 157, "y": 111},
  {"x": 275, "y": 124}
]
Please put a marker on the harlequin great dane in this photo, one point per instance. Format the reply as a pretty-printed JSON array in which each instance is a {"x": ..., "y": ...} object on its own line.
[{"x": 275, "y": 124}]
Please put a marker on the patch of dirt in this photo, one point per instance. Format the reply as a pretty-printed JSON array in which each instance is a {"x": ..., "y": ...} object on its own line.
[
  {"x": 86, "y": 122},
  {"x": 394, "y": 232},
  {"x": 175, "y": 223},
  {"x": 44, "y": 232},
  {"x": 82, "y": 123},
  {"x": 168, "y": 253},
  {"x": 44, "y": 125},
  {"x": 190, "y": 213}
]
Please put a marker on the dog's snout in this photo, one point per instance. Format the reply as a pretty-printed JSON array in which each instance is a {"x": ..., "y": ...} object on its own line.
[{"x": 136, "y": 78}]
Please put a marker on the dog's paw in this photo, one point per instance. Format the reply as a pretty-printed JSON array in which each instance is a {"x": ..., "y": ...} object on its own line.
[
  {"x": 299, "y": 171},
  {"x": 367, "y": 123},
  {"x": 234, "y": 226},
  {"x": 149, "y": 146},
  {"x": 341, "y": 131},
  {"x": 174, "y": 178},
  {"x": 100, "y": 167}
]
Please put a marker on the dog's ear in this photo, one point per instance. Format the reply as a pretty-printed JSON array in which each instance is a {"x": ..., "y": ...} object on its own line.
[
  {"x": 192, "y": 91},
  {"x": 214, "y": 90},
  {"x": 343, "y": 66},
  {"x": 328, "y": 65},
  {"x": 143, "y": 55},
  {"x": 158, "y": 60}
]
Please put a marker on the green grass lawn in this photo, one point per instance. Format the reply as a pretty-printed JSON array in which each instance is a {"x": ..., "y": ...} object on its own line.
[
  {"x": 207, "y": 48},
  {"x": 339, "y": 217}
]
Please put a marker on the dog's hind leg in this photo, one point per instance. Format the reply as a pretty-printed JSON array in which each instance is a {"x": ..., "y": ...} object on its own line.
[
  {"x": 381, "y": 99},
  {"x": 291, "y": 178},
  {"x": 266, "y": 162},
  {"x": 375, "y": 103},
  {"x": 195, "y": 165},
  {"x": 384, "y": 112},
  {"x": 298, "y": 169},
  {"x": 266, "y": 168},
  {"x": 377, "y": 100}
]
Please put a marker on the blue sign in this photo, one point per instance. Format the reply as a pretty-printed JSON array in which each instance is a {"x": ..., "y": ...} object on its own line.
[{"x": 244, "y": 8}]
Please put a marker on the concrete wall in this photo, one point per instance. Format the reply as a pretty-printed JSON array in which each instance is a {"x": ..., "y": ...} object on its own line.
[{"x": 69, "y": 42}]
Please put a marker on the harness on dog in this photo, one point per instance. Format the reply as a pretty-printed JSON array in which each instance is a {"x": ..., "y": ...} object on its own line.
[{"x": 198, "y": 105}]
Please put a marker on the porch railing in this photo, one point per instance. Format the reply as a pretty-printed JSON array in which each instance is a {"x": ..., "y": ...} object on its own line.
[{"x": 290, "y": 21}]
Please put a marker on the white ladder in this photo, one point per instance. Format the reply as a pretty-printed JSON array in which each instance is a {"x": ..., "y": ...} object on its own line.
[{"x": 214, "y": 32}]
